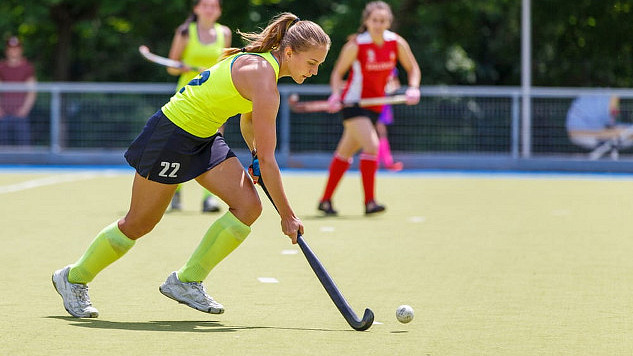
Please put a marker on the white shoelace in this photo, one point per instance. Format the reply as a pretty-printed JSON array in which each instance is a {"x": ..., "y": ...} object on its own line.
[
  {"x": 202, "y": 295},
  {"x": 81, "y": 292}
]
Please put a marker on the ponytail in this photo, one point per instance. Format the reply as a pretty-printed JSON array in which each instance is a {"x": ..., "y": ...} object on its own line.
[
  {"x": 285, "y": 29},
  {"x": 183, "y": 29}
]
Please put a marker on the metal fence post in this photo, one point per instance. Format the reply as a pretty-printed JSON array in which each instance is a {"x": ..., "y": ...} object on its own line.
[
  {"x": 515, "y": 126},
  {"x": 56, "y": 115}
]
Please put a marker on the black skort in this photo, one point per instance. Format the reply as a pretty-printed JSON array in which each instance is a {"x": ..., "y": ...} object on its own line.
[
  {"x": 356, "y": 111},
  {"x": 165, "y": 153}
]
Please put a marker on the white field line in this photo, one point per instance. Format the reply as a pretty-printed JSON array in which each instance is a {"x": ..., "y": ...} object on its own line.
[
  {"x": 51, "y": 180},
  {"x": 267, "y": 279}
]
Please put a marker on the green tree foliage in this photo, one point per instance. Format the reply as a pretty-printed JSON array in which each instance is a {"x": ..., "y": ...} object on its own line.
[
  {"x": 583, "y": 43},
  {"x": 575, "y": 42}
]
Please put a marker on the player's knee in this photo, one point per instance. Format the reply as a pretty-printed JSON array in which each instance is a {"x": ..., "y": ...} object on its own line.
[
  {"x": 249, "y": 212},
  {"x": 370, "y": 149},
  {"x": 135, "y": 230},
  {"x": 253, "y": 211},
  {"x": 369, "y": 152}
]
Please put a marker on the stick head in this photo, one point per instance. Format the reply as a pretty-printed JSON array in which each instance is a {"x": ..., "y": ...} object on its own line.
[{"x": 365, "y": 323}]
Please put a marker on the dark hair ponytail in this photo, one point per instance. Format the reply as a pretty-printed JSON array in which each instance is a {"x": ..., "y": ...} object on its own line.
[{"x": 183, "y": 29}]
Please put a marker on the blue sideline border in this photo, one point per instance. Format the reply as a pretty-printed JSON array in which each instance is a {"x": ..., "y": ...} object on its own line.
[{"x": 407, "y": 173}]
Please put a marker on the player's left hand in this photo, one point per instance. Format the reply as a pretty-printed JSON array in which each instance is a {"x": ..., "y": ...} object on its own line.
[
  {"x": 253, "y": 169},
  {"x": 413, "y": 95}
]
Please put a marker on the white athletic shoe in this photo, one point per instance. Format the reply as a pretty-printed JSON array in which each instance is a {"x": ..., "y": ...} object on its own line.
[
  {"x": 75, "y": 295},
  {"x": 192, "y": 294},
  {"x": 210, "y": 205}
]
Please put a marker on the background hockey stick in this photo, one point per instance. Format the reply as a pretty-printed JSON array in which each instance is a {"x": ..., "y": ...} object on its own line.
[
  {"x": 322, "y": 105},
  {"x": 327, "y": 282},
  {"x": 144, "y": 50}
]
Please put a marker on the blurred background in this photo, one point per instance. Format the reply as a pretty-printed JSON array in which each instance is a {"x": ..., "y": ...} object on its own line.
[{"x": 95, "y": 91}]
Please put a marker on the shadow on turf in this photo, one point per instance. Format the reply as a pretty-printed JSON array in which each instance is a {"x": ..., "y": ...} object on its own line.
[
  {"x": 338, "y": 217},
  {"x": 198, "y": 326},
  {"x": 186, "y": 213}
]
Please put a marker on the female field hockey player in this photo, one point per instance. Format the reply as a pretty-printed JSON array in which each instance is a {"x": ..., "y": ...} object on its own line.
[
  {"x": 370, "y": 56},
  {"x": 199, "y": 42},
  {"x": 180, "y": 142}
]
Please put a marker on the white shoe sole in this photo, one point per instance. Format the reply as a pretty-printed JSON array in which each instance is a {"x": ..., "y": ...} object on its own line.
[
  {"x": 210, "y": 310},
  {"x": 59, "y": 275}
]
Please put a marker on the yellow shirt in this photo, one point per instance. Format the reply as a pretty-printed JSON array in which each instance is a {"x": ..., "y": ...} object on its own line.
[
  {"x": 200, "y": 55},
  {"x": 203, "y": 105}
]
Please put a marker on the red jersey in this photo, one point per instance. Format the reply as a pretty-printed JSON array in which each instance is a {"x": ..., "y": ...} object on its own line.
[
  {"x": 371, "y": 69},
  {"x": 11, "y": 102}
]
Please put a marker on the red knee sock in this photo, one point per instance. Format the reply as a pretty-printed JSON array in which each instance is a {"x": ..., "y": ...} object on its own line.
[
  {"x": 338, "y": 167},
  {"x": 368, "y": 168}
]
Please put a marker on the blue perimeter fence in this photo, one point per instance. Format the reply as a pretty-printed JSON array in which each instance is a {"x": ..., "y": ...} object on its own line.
[{"x": 453, "y": 127}]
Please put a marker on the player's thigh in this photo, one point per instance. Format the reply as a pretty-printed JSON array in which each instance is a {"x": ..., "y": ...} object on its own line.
[
  {"x": 230, "y": 182},
  {"x": 362, "y": 131},
  {"x": 381, "y": 129},
  {"x": 347, "y": 145},
  {"x": 148, "y": 204}
]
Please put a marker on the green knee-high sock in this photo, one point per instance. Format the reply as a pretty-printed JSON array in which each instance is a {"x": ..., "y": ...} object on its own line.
[
  {"x": 221, "y": 239},
  {"x": 109, "y": 245}
]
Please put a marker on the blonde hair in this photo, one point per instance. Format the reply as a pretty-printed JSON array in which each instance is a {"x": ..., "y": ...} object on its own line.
[{"x": 285, "y": 29}]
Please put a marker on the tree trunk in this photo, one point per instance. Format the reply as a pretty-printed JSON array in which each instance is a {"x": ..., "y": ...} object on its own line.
[{"x": 65, "y": 15}]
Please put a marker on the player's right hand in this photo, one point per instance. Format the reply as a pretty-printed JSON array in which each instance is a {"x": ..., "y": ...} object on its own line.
[
  {"x": 413, "y": 95},
  {"x": 334, "y": 103},
  {"x": 290, "y": 226}
]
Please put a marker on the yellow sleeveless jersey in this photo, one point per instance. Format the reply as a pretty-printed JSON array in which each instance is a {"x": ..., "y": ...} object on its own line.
[
  {"x": 200, "y": 55},
  {"x": 203, "y": 105}
]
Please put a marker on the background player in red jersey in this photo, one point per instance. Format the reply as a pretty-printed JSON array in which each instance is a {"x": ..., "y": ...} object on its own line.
[{"x": 370, "y": 56}]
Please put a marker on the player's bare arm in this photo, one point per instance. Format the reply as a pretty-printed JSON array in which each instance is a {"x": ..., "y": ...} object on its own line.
[
  {"x": 337, "y": 82},
  {"x": 178, "y": 44},
  {"x": 246, "y": 128},
  {"x": 227, "y": 36},
  {"x": 255, "y": 79},
  {"x": 343, "y": 64},
  {"x": 414, "y": 76}
]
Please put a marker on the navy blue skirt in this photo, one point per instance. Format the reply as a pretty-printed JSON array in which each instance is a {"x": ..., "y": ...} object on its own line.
[{"x": 165, "y": 153}]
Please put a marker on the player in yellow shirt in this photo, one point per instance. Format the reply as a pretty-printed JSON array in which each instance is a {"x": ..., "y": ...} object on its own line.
[
  {"x": 199, "y": 42},
  {"x": 180, "y": 142}
]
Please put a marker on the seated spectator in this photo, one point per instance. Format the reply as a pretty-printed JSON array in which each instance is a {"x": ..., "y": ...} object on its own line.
[{"x": 592, "y": 124}]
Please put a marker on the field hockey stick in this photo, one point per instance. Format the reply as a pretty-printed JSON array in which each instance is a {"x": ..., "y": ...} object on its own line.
[
  {"x": 327, "y": 282},
  {"x": 322, "y": 105},
  {"x": 144, "y": 50}
]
